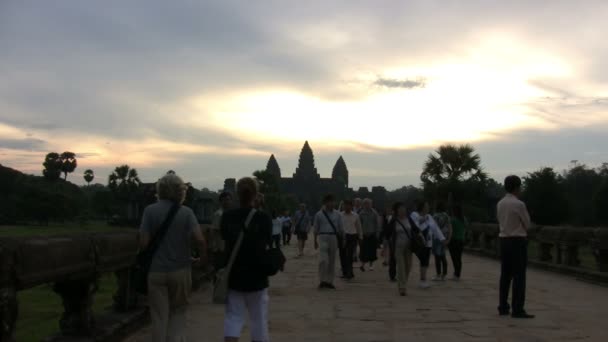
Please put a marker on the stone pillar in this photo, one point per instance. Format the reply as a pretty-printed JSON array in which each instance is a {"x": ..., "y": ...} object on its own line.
[
  {"x": 8, "y": 295},
  {"x": 600, "y": 248},
  {"x": 77, "y": 295},
  {"x": 125, "y": 298}
]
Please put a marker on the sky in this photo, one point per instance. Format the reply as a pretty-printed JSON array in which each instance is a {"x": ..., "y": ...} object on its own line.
[{"x": 211, "y": 88}]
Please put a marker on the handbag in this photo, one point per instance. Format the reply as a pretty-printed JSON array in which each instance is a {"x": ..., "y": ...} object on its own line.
[
  {"x": 273, "y": 261},
  {"x": 144, "y": 258},
  {"x": 222, "y": 276},
  {"x": 416, "y": 238}
]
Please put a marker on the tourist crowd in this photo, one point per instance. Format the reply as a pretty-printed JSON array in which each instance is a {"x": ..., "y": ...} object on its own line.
[{"x": 352, "y": 232}]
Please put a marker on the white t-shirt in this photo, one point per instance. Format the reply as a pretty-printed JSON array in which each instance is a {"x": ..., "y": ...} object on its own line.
[
  {"x": 277, "y": 226},
  {"x": 427, "y": 222}
]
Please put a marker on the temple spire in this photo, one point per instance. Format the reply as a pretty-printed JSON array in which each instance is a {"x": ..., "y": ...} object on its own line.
[
  {"x": 306, "y": 164},
  {"x": 340, "y": 172},
  {"x": 273, "y": 168}
]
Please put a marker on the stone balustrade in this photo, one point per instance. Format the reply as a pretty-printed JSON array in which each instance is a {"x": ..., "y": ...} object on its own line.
[
  {"x": 558, "y": 248},
  {"x": 73, "y": 264}
]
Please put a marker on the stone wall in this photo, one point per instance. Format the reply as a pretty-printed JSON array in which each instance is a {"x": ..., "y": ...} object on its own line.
[
  {"x": 556, "y": 248},
  {"x": 73, "y": 264}
]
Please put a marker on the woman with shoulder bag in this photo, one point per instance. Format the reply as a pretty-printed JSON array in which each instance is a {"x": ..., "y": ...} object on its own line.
[
  {"x": 248, "y": 278},
  {"x": 401, "y": 235}
]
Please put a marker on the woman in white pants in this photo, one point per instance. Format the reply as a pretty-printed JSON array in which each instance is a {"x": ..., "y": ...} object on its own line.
[{"x": 248, "y": 282}]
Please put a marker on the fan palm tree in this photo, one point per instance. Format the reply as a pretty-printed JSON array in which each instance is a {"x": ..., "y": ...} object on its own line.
[
  {"x": 451, "y": 170},
  {"x": 52, "y": 166},
  {"x": 123, "y": 180},
  {"x": 89, "y": 176},
  {"x": 68, "y": 163}
]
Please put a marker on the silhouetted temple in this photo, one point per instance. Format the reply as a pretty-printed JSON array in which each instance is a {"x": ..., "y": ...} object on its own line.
[{"x": 306, "y": 184}]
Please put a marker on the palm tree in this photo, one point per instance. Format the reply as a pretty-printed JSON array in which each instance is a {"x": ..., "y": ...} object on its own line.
[
  {"x": 89, "y": 176},
  {"x": 52, "y": 166},
  {"x": 68, "y": 163},
  {"x": 453, "y": 164},
  {"x": 450, "y": 168},
  {"x": 123, "y": 180}
]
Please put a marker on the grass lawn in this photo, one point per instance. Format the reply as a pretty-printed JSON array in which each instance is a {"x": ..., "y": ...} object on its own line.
[
  {"x": 58, "y": 229},
  {"x": 40, "y": 309}
]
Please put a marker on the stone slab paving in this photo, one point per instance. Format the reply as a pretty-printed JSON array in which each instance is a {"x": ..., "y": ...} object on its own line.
[{"x": 370, "y": 310}]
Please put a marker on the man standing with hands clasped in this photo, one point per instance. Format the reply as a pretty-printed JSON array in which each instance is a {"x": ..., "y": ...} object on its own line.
[{"x": 514, "y": 222}]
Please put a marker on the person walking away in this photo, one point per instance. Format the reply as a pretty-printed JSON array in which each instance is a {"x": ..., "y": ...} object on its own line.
[
  {"x": 386, "y": 219},
  {"x": 170, "y": 279},
  {"x": 401, "y": 234},
  {"x": 514, "y": 222},
  {"x": 301, "y": 228},
  {"x": 277, "y": 226},
  {"x": 357, "y": 209},
  {"x": 352, "y": 234},
  {"x": 286, "y": 228},
  {"x": 216, "y": 244},
  {"x": 439, "y": 248},
  {"x": 248, "y": 280},
  {"x": 456, "y": 246},
  {"x": 327, "y": 225},
  {"x": 429, "y": 229},
  {"x": 370, "y": 223}
]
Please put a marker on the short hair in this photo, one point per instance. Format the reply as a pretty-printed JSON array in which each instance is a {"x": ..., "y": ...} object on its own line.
[
  {"x": 328, "y": 198},
  {"x": 171, "y": 187},
  {"x": 348, "y": 202},
  {"x": 512, "y": 183},
  {"x": 247, "y": 189},
  {"x": 224, "y": 195},
  {"x": 398, "y": 205}
]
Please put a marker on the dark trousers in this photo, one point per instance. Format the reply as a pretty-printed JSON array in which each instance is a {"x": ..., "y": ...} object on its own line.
[
  {"x": 276, "y": 240},
  {"x": 286, "y": 235},
  {"x": 392, "y": 263},
  {"x": 456, "y": 248},
  {"x": 514, "y": 261},
  {"x": 441, "y": 265},
  {"x": 346, "y": 255}
]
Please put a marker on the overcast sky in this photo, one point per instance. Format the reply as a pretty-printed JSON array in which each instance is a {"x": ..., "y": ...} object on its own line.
[{"x": 211, "y": 89}]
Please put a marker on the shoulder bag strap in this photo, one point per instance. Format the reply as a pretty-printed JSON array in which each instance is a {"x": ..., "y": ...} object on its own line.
[
  {"x": 409, "y": 236},
  {"x": 239, "y": 241},
  {"x": 164, "y": 228},
  {"x": 331, "y": 223}
]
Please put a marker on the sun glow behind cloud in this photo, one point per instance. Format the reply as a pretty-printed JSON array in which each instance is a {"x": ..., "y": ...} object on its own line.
[{"x": 465, "y": 98}]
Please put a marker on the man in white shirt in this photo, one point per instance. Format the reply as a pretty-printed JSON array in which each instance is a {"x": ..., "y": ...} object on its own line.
[
  {"x": 352, "y": 235},
  {"x": 430, "y": 230},
  {"x": 327, "y": 228},
  {"x": 514, "y": 222}
]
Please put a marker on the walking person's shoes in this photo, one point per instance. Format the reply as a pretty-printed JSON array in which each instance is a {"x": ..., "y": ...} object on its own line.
[
  {"x": 330, "y": 286},
  {"x": 424, "y": 284},
  {"x": 522, "y": 314},
  {"x": 403, "y": 292},
  {"x": 504, "y": 311},
  {"x": 455, "y": 278},
  {"x": 362, "y": 268},
  {"x": 436, "y": 278}
]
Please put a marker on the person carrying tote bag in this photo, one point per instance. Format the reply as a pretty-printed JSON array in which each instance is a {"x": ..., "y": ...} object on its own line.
[
  {"x": 253, "y": 262},
  {"x": 220, "y": 288}
]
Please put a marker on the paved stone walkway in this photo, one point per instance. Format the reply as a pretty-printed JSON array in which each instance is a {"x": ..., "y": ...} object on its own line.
[{"x": 369, "y": 309}]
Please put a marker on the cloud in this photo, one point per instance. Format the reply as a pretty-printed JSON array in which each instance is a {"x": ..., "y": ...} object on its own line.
[
  {"x": 29, "y": 144},
  {"x": 405, "y": 84}
]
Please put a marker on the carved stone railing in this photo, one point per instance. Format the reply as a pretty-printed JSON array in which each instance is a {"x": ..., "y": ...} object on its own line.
[
  {"x": 73, "y": 264},
  {"x": 558, "y": 248}
]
